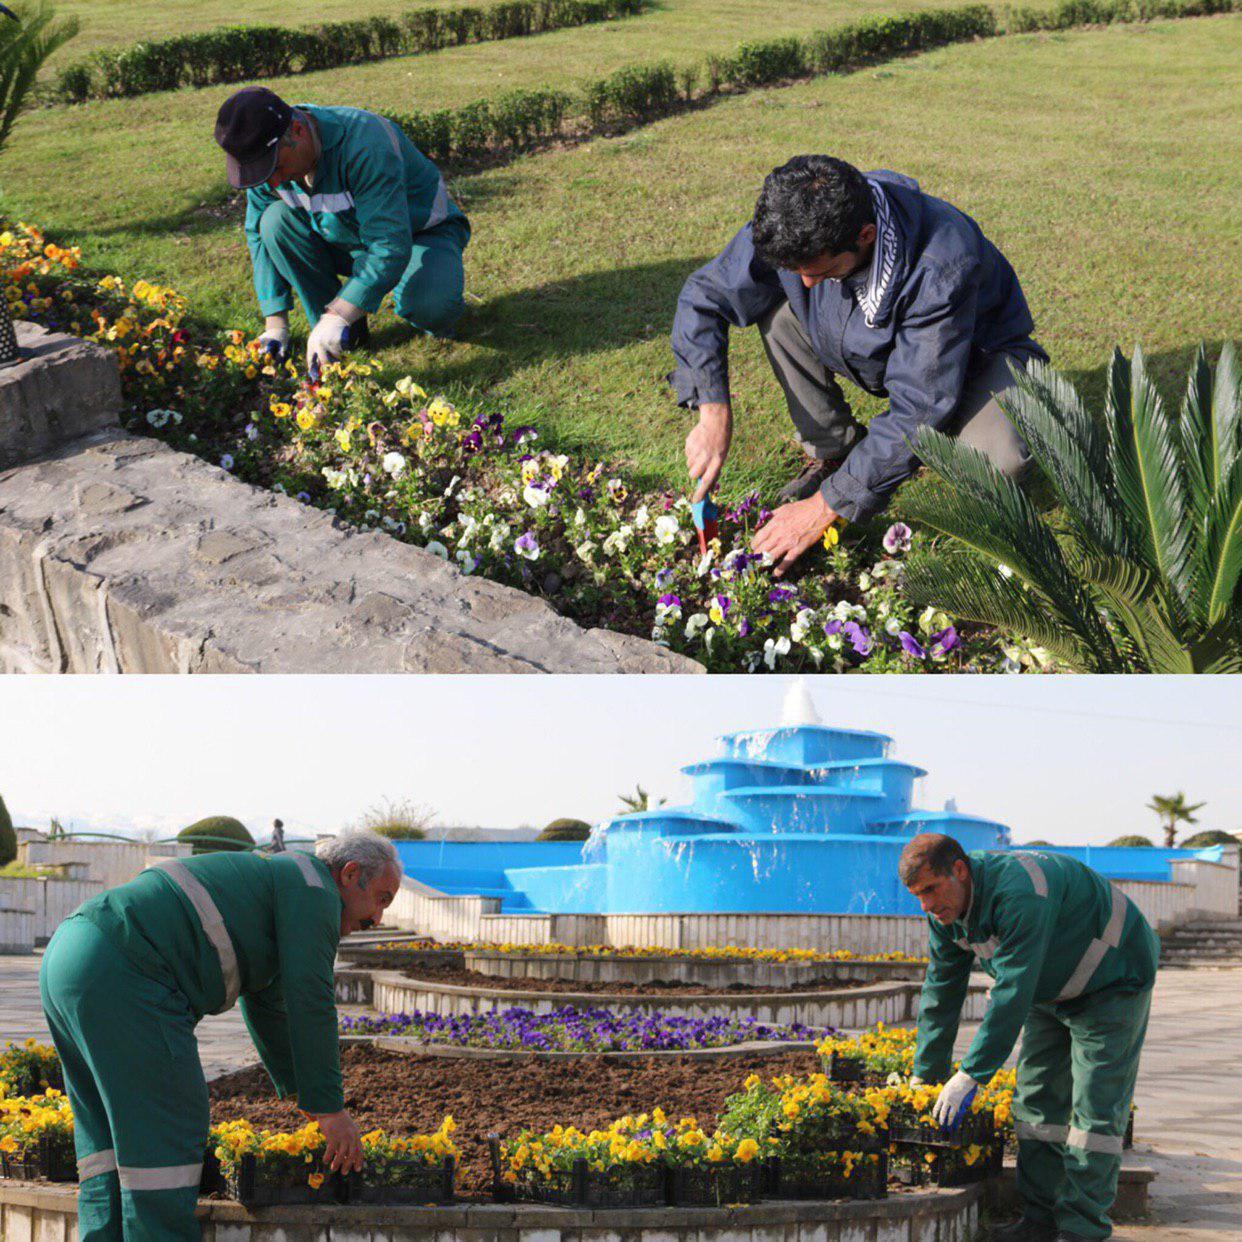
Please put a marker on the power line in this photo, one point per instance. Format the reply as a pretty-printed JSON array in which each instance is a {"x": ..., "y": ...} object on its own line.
[{"x": 1050, "y": 711}]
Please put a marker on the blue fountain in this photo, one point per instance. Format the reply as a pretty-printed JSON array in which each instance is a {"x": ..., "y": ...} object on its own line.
[{"x": 803, "y": 818}]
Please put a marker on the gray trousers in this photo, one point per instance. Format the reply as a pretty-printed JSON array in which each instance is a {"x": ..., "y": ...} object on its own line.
[{"x": 827, "y": 428}]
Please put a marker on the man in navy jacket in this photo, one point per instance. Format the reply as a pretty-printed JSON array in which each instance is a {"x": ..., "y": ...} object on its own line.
[{"x": 862, "y": 276}]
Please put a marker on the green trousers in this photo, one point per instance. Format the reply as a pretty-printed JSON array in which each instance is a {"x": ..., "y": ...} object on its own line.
[
  {"x": 134, "y": 1080},
  {"x": 1076, "y": 1080},
  {"x": 428, "y": 295}
]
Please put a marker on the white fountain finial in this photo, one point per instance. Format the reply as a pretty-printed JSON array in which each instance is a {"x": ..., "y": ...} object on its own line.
[{"x": 799, "y": 707}]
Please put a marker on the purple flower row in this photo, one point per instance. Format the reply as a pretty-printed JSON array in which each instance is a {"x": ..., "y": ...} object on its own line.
[{"x": 577, "y": 1030}]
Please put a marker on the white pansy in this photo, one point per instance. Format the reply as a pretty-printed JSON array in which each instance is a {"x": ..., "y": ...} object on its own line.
[
  {"x": 641, "y": 517},
  {"x": 467, "y": 562},
  {"x": 708, "y": 635},
  {"x": 436, "y": 548},
  {"x": 892, "y": 627},
  {"x": 705, "y": 563},
  {"x": 335, "y": 479},
  {"x": 666, "y": 528},
  {"x": 394, "y": 464},
  {"x": 773, "y": 649},
  {"x": 695, "y": 624},
  {"x": 424, "y": 522},
  {"x": 580, "y": 518},
  {"x": 801, "y": 624},
  {"x": 585, "y": 550}
]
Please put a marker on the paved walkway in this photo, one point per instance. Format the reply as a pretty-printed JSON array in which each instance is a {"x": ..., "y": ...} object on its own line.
[{"x": 1188, "y": 1127}]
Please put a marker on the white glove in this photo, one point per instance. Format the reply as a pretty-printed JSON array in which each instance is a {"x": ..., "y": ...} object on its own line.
[
  {"x": 955, "y": 1097},
  {"x": 327, "y": 342},
  {"x": 275, "y": 338}
]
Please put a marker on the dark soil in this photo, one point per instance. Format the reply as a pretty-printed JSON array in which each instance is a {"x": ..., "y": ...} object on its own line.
[
  {"x": 410, "y": 1094},
  {"x": 461, "y": 977}
]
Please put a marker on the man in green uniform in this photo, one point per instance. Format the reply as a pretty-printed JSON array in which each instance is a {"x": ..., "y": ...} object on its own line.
[
  {"x": 127, "y": 977},
  {"x": 341, "y": 192},
  {"x": 1074, "y": 963}
]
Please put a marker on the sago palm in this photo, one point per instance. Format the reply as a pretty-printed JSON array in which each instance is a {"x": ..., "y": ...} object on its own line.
[
  {"x": 29, "y": 34},
  {"x": 1138, "y": 570}
]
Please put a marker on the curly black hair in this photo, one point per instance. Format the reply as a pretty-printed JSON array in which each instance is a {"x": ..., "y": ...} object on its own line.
[{"x": 812, "y": 206}]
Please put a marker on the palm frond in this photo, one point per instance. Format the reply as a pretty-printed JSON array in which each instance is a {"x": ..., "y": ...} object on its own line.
[
  {"x": 1222, "y": 548},
  {"x": 1196, "y": 430},
  {"x": 968, "y": 586},
  {"x": 1071, "y": 449},
  {"x": 990, "y": 513},
  {"x": 1227, "y": 411},
  {"x": 1147, "y": 468},
  {"x": 24, "y": 48},
  {"x": 1131, "y": 594}
]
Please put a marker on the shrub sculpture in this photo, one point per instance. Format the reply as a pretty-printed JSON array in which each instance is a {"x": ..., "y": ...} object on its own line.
[
  {"x": 8, "y": 838},
  {"x": 565, "y": 830},
  {"x": 1131, "y": 840},
  {"x": 217, "y": 832},
  {"x": 1213, "y": 836},
  {"x": 1141, "y": 575}
]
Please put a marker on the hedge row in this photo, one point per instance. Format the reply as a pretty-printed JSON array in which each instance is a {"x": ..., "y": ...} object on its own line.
[
  {"x": 638, "y": 94},
  {"x": 243, "y": 53},
  {"x": 1104, "y": 12}
]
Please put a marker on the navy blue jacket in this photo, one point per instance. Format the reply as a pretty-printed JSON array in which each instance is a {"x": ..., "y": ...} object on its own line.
[{"x": 956, "y": 301}]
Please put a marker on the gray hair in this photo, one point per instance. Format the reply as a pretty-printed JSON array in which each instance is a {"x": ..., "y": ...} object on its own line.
[{"x": 373, "y": 854}]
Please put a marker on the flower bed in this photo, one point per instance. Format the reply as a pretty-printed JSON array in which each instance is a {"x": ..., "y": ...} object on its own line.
[
  {"x": 36, "y": 1137},
  {"x": 722, "y": 953},
  {"x": 262, "y": 1168},
  {"x": 27, "y": 1069},
  {"x": 484, "y": 495},
  {"x": 574, "y": 1030}
]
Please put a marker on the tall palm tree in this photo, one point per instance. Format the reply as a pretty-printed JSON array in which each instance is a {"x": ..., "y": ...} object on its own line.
[
  {"x": 1139, "y": 569},
  {"x": 1173, "y": 809},
  {"x": 28, "y": 36},
  {"x": 638, "y": 801}
]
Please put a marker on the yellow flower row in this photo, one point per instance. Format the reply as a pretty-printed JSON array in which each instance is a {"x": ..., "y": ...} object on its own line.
[{"x": 644, "y": 951}]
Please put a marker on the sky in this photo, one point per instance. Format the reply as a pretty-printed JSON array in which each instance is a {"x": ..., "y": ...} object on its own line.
[{"x": 1064, "y": 759}]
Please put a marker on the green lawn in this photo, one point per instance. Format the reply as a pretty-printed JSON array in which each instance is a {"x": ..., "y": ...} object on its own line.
[{"x": 1103, "y": 162}]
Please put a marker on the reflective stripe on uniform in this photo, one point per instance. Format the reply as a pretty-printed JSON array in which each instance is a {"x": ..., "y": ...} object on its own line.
[
  {"x": 440, "y": 207},
  {"x": 1036, "y": 872},
  {"x": 307, "y": 868},
  {"x": 983, "y": 949},
  {"x": 169, "y": 1177},
  {"x": 1089, "y": 1140},
  {"x": 1040, "y": 1131},
  {"x": 340, "y": 201},
  {"x": 1091, "y": 959},
  {"x": 213, "y": 925},
  {"x": 96, "y": 1163}
]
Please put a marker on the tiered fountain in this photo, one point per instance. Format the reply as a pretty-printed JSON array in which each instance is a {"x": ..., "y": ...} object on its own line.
[{"x": 803, "y": 818}]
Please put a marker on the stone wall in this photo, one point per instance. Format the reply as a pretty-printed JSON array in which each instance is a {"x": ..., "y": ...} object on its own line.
[
  {"x": 118, "y": 554},
  {"x": 50, "y": 902},
  {"x": 17, "y": 934},
  {"x": 108, "y": 863},
  {"x": 1215, "y": 885},
  {"x": 851, "y": 1008}
]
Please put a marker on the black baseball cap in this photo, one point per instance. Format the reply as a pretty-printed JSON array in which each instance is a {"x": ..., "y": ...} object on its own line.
[{"x": 249, "y": 127}]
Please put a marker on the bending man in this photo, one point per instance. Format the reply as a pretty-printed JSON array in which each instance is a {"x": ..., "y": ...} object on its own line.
[
  {"x": 127, "y": 977},
  {"x": 339, "y": 192},
  {"x": 1074, "y": 963},
  {"x": 866, "y": 277}
]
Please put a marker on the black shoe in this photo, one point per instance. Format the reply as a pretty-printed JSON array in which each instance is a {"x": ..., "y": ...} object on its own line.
[
  {"x": 1024, "y": 1230},
  {"x": 809, "y": 481},
  {"x": 359, "y": 335}
]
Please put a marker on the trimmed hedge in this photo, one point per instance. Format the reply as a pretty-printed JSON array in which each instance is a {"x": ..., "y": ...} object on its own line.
[
  {"x": 639, "y": 94},
  {"x": 244, "y": 53}
]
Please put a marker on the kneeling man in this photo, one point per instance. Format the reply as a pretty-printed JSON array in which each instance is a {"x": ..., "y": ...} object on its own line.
[
  {"x": 338, "y": 193},
  {"x": 862, "y": 276},
  {"x": 1074, "y": 962}
]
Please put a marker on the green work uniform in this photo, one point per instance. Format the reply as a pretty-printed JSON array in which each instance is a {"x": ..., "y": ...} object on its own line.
[
  {"x": 378, "y": 214},
  {"x": 1074, "y": 963},
  {"x": 125, "y": 980}
]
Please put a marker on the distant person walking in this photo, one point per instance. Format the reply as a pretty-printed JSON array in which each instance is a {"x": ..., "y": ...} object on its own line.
[
  {"x": 341, "y": 193},
  {"x": 277, "y": 843},
  {"x": 127, "y": 977},
  {"x": 1074, "y": 962},
  {"x": 866, "y": 277}
]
